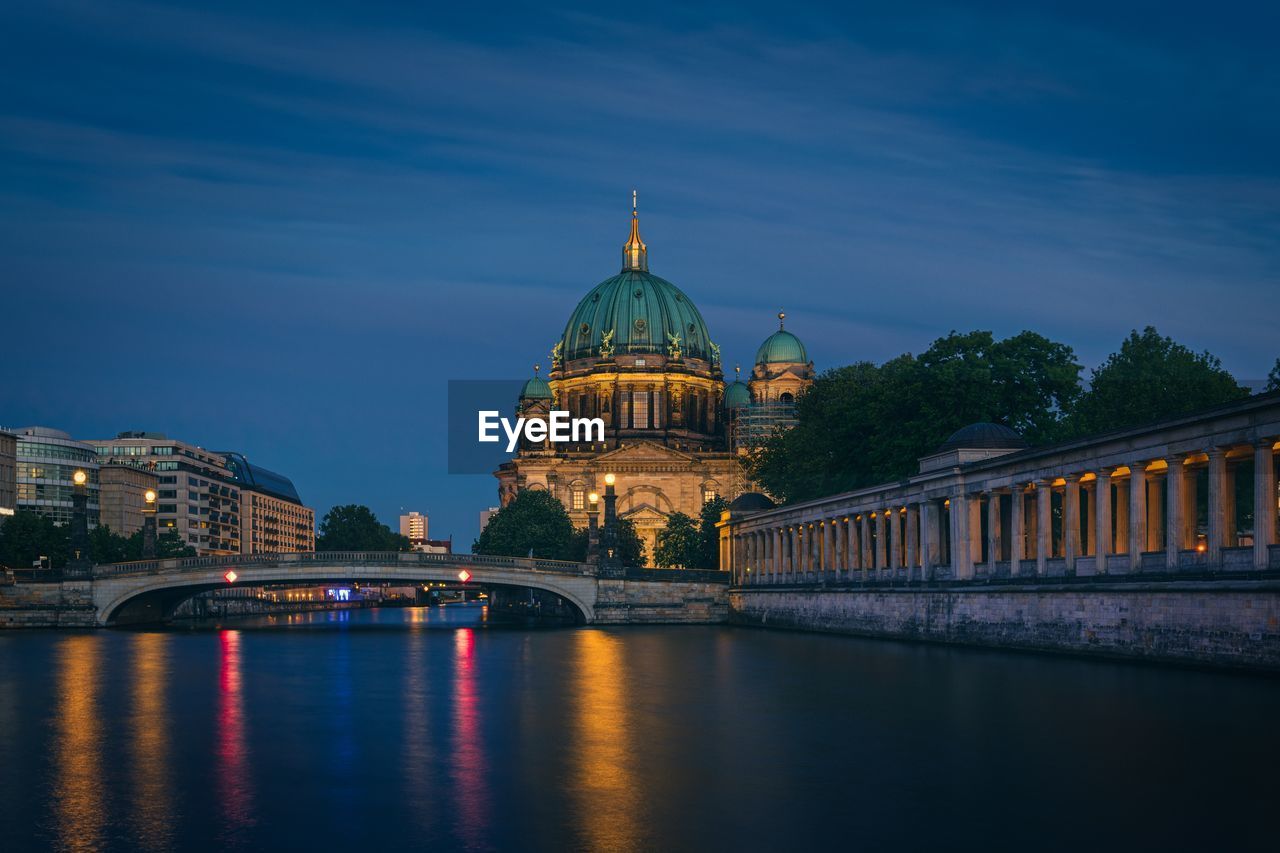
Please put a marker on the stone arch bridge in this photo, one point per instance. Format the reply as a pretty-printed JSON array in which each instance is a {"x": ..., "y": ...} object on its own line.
[{"x": 150, "y": 590}]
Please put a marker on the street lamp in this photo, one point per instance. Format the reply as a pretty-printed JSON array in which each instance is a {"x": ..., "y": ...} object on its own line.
[
  {"x": 611, "y": 562},
  {"x": 593, "y": 528},
  {"x": 79, "y": 564},
  {"x": 149, "y": 524}
]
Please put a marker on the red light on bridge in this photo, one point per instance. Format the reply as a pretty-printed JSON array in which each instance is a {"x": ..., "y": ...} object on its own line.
[
  {"x": 464, "y": 575},
  {"x": 231, "y": 576}
]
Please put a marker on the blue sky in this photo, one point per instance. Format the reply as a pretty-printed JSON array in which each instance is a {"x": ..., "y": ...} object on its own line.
[{"x": 281, "y": 229}]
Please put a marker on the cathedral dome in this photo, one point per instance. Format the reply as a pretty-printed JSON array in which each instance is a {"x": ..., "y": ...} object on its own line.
[
  {"x": 737, "y": 395},
  {"x": 782, "y": 347},
  {"x": 536, "y": 389},
  {"x": 640, "y": 312}
]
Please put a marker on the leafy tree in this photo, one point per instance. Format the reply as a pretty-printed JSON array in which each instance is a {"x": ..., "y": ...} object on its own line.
[
  {"x": 679, "y": 544},
  {"x": 108, "y": 547},
  {"x": 26, "y": 536},
  {"x": 1273, "y": 378},
  {"x": 866, "y": 424},
  {"x": 353, "y": 527},
  {"x": 630, "y": 545},
  {"x": 709, "y": 534},
  {"x": 533, "y": 522},
  {"x": 1150, "y": 378}
]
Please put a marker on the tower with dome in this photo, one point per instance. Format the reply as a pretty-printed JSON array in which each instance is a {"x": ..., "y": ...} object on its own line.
[{"x": 637, "y": 353}]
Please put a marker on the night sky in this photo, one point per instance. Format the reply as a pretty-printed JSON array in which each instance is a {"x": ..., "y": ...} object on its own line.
[{"x": 280, "y": 229}]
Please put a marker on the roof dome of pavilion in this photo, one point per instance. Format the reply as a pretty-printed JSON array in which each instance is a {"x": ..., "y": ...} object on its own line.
[
  {"x": 536, "y": 388},
  {"x": 751, "y": 502},
  {"x": 985, "y": 436},
  {"x": 782, "y": 347},
  {"x": 640, "y": 312}
]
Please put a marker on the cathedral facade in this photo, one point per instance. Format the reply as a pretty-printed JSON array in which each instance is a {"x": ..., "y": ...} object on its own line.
[{"x": 637, "y": 354}]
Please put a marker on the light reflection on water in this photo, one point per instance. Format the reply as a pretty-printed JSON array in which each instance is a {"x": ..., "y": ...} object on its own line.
[
  {"x": 421, "y": 729},
  {"x": 78, "y": 795}
]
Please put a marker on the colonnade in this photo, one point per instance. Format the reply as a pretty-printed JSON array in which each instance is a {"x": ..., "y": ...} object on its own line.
[{"x": 1166, "y": 512}]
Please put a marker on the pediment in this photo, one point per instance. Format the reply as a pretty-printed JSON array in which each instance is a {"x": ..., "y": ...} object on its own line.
[
  {"x": 644, "y": 515},
  {"x": 643, "y": 451}
]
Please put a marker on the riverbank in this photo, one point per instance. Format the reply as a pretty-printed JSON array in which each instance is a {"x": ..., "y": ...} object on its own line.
[{"x": 1228, "y": 624}]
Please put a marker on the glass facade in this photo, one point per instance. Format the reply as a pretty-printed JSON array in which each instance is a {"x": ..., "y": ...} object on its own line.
[{"x": 46, "y": 461}]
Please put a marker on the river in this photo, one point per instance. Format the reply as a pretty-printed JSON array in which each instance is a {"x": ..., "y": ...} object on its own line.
[{"x": 425, "y": 728}]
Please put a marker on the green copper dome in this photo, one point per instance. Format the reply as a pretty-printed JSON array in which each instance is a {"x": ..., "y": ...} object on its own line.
[
  {"x": 536, "y": 389},
  {"x": 737, "y": 395},
  {"x": 642, "y": 312},
  {"x": 780, "y": 348}
]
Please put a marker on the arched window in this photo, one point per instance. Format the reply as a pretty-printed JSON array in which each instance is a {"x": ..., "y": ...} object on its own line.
[{"x": 786, "y": 397}]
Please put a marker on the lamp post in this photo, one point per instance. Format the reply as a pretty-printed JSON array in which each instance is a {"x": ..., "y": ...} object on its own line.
[
  {"x": 149, "y": 524},
  {"x": 611, "y": 561},
  {"x": 593, "y": 529},
  {"x": 80, "y": 563}
]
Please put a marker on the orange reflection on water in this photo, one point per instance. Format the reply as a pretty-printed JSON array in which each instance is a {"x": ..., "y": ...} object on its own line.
[
  {"x": 417, "y": 751},
  {"x": 78, "y": 796},
  {"x": 152, "y": 787},
  {"x": 233, "y": 752},
  {"x": 605, "y": 763},
  {"x": 468, "y": 762}
]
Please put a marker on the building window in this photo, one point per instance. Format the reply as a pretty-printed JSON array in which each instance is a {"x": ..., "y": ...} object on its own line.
[
  {"x": 708, "y": 495},
  {"x": 579, "y": 499},
  {"x": 640, "y": 410},
  {"x": 639, "y": 362}
]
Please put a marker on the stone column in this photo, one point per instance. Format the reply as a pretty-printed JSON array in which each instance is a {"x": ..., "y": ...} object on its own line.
[
  {"x": 1102, "y": 520},
  {"x": 1264, "y": 503},
  {"x": 1044, "y": 526},
  {"x": 1137, "y": 514},
  {"x": 1155, "y": 528},
  {"x": 882, "y": 561},
  {"x": 913, "y": 537},
  {"x": 928, "y": 539},
  {"x": 1175, "y": 525},
  {"x": 1017, "y": 529},
  {"x": 894, "y": 523},
  {"x": 829, "y": 545},
  {"x": 1229, "y": 520},
  {"x": 1071, "y": 521},
  {"x": 865, "y": 543},
  {"x": 1217, "y": 506},
  {"x": 961, "y": 540},
  {"x": 1122, "y": 517},
  {"x": 993, "y": 533}
]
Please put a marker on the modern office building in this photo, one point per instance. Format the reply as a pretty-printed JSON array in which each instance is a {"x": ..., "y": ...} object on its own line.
[
  {"x": 46, "y": 459},
  {"x": 8, "y": 474},
  {"x": 122, "y": 495},
  {"x": 414, "y": 526},
  {"x": 198, "y": 498},
  {"x": 272, "y": 518}
]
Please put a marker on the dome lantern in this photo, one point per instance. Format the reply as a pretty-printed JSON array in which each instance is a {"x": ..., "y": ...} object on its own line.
[{"x": 635, "y": 255}]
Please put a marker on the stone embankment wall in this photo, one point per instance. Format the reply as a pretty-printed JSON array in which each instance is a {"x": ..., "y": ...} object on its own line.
[
  {"x": 663, "y": 597},
  {"x": 47, "y": 605},
  {"x": 1228, "y": 624}
]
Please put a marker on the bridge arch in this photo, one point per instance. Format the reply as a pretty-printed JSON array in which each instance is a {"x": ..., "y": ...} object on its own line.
[{"x": 152, "y": 592}]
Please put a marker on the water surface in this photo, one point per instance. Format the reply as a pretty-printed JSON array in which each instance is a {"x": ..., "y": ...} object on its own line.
[{"x": 420, "y": 727}]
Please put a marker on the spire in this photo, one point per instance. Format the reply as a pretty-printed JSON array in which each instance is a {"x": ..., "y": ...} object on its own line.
[
  {"x": 782, "y": 315},
  {"x": 737, "y": 371},
  {"x": 635, "y": 256},
  {"x": 536, "y": 368}
]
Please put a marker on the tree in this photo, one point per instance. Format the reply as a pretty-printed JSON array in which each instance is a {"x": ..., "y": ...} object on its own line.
[
  {"x": 866, "y": 424},
  {"x": 709, "y": 534},
  {"x": 1151, "y": 378},
  {"x": 26, "y": 536},
  {"x": 630, "y": 545},
  {"x": 1273, "y": 378},
  {"x": 534, "y": 522},
  {"x": 108, "y": 547},
  {"x": 679, "y": 544},
  {"x": 353, "y": 527}
]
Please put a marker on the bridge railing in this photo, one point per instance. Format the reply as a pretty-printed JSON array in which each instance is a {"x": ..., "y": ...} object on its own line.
[{"x": 311, "y": 558}]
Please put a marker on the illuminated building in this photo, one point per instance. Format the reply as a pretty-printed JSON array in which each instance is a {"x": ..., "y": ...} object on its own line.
[
  {"x": 8, "y": 474},
  {"x": 637, "y": 354},
  {"x": 273, "y": 519},
  {"x": 46, "y": 461},
  {"x": 122, "y": 492}
]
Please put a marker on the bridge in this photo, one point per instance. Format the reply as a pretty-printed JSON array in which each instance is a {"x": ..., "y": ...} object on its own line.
[{"x": 150, "y": 590}]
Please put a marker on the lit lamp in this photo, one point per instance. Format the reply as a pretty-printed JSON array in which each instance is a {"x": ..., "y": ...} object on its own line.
[
  {"x": 79, "y": 565},
  {"x": 149, "y": 524},
  {"x": 593, "y": 527},
  {"x": 611, "y": 564}
]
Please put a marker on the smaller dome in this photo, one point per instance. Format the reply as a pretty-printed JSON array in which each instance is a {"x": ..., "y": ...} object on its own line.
[
  {"x": 751, "y": 502},
  {"x": 536, "y": 389},
  {"x": 782, "y": 347},
  {"x": 737, "y": 395},
  {"x": 985, "y": 436}
]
